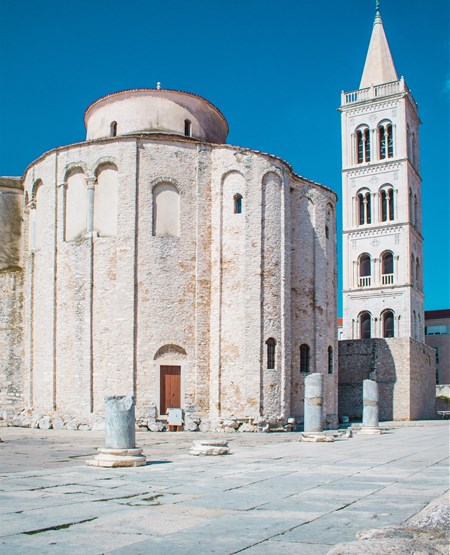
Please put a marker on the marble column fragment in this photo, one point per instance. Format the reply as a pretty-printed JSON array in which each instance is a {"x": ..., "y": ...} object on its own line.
[
  {"x": 370, "y": 408},
  {"x": 120, "y": 442},
  {"x": 120, "y": 422},
  {"x": 314, "y": 403}
]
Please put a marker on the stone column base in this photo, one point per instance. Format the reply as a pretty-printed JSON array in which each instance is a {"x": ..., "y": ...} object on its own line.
[
  {"x": 370, "y": 430},
  {"x": 209, "y": 447},
  {"x": 111, "y": 458}
]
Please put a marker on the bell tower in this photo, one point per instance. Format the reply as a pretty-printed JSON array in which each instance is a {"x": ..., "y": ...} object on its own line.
[{"x": 381, "y": 194}]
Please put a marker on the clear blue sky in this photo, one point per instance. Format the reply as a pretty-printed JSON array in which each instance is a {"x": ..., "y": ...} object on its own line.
[{"x": 274, "y": 68}]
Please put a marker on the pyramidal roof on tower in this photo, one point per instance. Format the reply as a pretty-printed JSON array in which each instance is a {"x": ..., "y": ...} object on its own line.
[{"x": 379, "y": 67}]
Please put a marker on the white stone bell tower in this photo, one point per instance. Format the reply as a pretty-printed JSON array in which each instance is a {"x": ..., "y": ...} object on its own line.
[{"x": 381, "y": 196}]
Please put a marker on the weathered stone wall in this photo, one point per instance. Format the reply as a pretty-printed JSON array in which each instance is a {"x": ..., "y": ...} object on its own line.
[
  {"x": 105, "y": 312},
  {"x": 11, "y": 342},
  {"x": 404, "y": 370},
  {"x": 11, "y": 296}
]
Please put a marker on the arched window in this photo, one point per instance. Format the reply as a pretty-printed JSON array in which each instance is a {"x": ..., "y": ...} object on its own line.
[
  {"x": 411, "y": 207},
  {"x": 414, "y": 325},
  {"x": 412, "y": 270},
  {"x": 363, "y": 145},
  {"x": 327, "y": 232},
  {"x": 388, "y": 323},
  {"x": 386, "y": 140},
  {"x": 364, "y": 208},
  {"x": 414, "y": 150},
  {"x": 113, "y": 129},
  {"x": 237, "y": 203},
  {"x": 271, "y": 346},
  {"x": 38, "y": 219},
  {"x": 166, "y": 210},
  {"x": 387, "y": 204},
  {"x": 387, "y": 268},
  {"x": 187, "y": 128},
  {"x": 365, "y": 273},
  {"x": 106, "y": 200},
  {"x": 75, "y": 205},
  {"x": 365, "y": 325},
  {"x": 330, "y": 360},
  {"x": 416, "y": 220},
  {"x": 304, "y": 358},
  {"x": 418, "y": 276}
]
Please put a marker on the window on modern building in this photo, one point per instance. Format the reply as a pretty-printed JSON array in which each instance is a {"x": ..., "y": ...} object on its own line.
[
  {"x": 363, "y": 145},
  {"x": 187, "y": 128},
  {"x": 304, "y": 357},
  {"x": 330, "y": 360},
  {"x": 271, "y": 346},
  {"x": 365, "y": 325},
  {"x": 388, "y": 323},
  {"x": 237, "y": 203},
  {"x": 436, "y": 330},
  {"x": 365, "y": 273},
  {"x": 437, "y": 354},
  {"x": 387, "y": 268},
  {"x": 387, "y": 204},
  {"x": 386, "y": 140},
  {"x": 364, "y": 208},
  {"x": 113, "y": 129}
]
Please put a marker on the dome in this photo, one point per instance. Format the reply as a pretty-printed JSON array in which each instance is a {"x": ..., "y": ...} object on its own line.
[{"x": 141, "y": 111}]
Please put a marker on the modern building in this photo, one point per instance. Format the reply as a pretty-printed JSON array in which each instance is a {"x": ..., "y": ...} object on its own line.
[{"x": 437, "y": 336}]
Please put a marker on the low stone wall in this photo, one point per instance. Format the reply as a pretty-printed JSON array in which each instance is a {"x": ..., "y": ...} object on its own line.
[
  {"x": 404, "y": 370},
  {"x": 11, "y": 343}
]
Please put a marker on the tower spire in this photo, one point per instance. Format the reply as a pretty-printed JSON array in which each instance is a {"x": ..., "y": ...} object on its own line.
[{"x": 379, "y": 67}]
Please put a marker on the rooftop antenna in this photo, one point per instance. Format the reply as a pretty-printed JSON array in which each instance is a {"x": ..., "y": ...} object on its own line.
[{"x": 158, "y": 86}]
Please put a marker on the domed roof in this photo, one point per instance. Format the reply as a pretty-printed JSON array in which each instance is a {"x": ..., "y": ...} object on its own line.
[{"x": 139, "y": 111}]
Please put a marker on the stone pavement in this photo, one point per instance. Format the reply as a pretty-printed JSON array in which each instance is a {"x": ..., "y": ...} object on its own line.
[{"x": 272, "y": 495}]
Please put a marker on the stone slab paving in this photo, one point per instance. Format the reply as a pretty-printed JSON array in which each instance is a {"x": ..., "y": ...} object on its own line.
[{"x": 271, "y": 495}]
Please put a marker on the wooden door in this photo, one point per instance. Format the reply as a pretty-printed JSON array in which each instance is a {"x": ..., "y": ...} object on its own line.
[{"x": 170, "y": 394}]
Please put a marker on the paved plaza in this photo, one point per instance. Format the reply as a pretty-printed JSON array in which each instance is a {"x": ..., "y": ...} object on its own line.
[{"x": 271, "y": 495}]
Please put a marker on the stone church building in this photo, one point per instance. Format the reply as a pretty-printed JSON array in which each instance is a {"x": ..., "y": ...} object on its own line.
[{"x": 155, "y": 259}]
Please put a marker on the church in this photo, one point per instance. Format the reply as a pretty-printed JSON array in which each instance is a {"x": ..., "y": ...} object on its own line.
[{"x": 155, "y": 259}]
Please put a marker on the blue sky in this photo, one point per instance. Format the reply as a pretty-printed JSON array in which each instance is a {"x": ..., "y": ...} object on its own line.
[{"x": 274, "y": 68}]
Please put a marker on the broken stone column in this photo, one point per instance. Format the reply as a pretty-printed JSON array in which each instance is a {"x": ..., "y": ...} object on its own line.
[
  {"x": 120, "y": 441},
  {"x": 313, "y": 403},
  {"x": 370, "y": 408}
]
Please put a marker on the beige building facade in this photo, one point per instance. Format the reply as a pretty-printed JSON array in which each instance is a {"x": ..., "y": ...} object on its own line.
[{"x": 160, "y": 261}]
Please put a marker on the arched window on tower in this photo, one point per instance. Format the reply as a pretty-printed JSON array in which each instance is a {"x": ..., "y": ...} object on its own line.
[
  {"x": 411, "y": 207},
  {"x": 388, "y": 323},
  {"x": 365, "y": 325},
  {"x": 330, "y": 360},
  {"x": 304, "y": 357},
  {"x": 387, "y": 268},
  {"x": 363, "y": 144},
  {"x": 365, "y": 273},
  {"x": 412, "y": 270},
  {"x": 237, "y": 203},
  {"x": 271, "y": 346},
  {"x": 416, "y": 208},
  {"x": 364, "y": 208},
  {"x": 387, "y": 204},
  {"x": 113, "y": 129},
  {"x": 418, "y": 274},
  {"x": 385, "y": 140}
]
